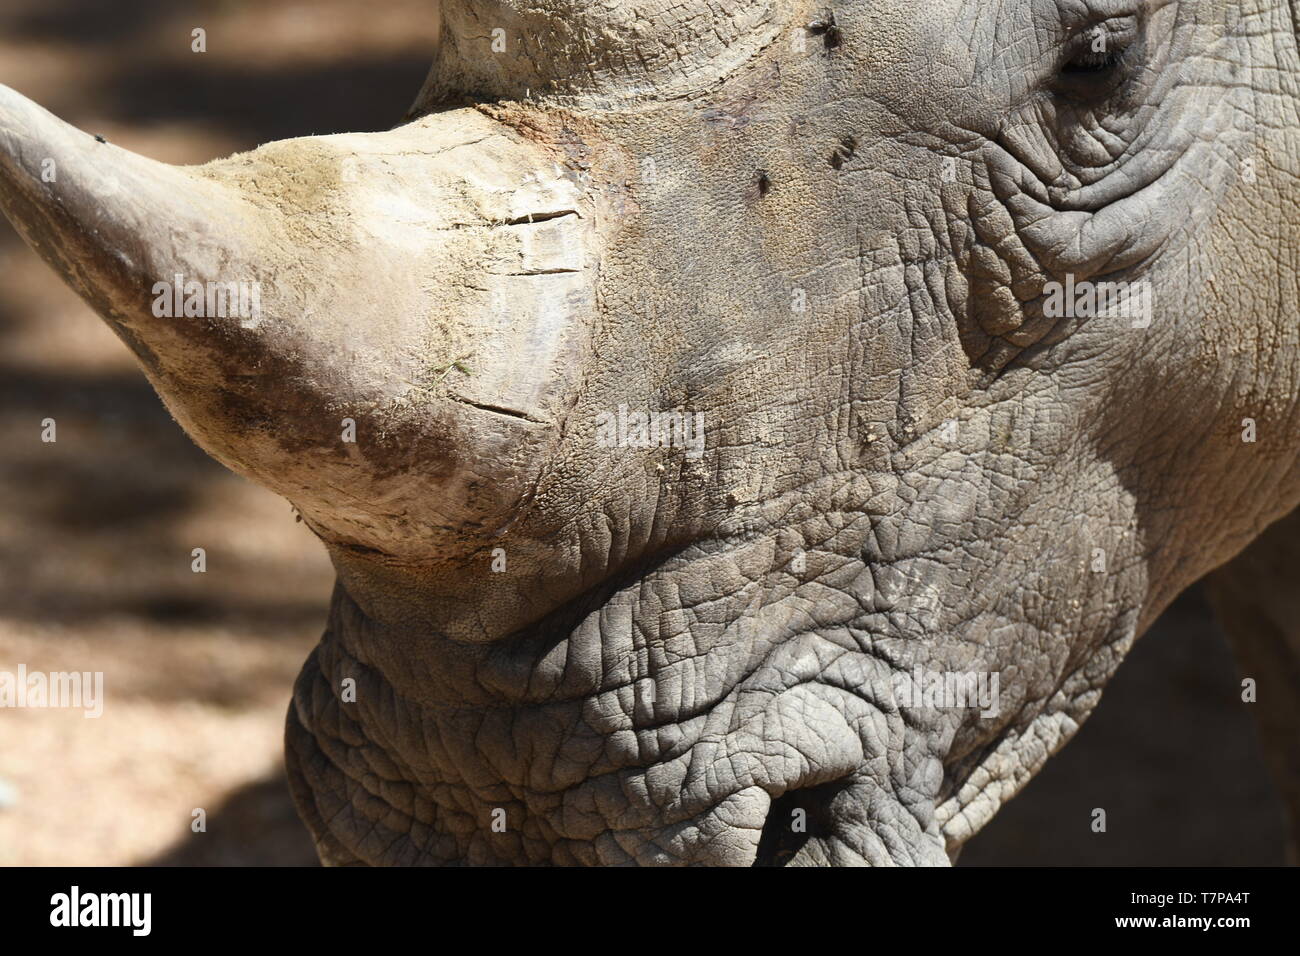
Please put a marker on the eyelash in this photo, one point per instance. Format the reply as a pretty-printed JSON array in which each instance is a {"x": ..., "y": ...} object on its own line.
[{"x": 1094, "y": 62}]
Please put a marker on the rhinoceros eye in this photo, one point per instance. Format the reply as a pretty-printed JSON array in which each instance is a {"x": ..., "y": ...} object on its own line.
[
  {"x": 1097, "y": 61},
  {"x": 1092, "y": 61}
]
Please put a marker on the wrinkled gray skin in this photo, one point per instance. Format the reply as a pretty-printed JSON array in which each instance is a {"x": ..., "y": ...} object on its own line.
[{"x": 918, "y": 469}]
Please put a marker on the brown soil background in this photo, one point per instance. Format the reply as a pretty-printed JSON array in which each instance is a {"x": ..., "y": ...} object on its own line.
[{"x": 96, "y": 530}]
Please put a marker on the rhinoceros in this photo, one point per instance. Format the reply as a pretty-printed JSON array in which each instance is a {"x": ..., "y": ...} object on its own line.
[{"x": 746, "y": 433}]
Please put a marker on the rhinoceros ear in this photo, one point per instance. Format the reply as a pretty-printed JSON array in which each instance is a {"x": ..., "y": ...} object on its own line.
[{"x": 380, "y": 327}]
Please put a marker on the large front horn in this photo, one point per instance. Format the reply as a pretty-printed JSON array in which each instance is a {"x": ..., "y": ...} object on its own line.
[{"x": 381, "y": 327}]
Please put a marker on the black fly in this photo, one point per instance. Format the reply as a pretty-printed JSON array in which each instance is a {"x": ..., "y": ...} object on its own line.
[{"x": 826, "y": 28}]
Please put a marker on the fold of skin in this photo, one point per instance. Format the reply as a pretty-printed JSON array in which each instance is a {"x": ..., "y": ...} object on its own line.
[{"x": 545, "y": 650}]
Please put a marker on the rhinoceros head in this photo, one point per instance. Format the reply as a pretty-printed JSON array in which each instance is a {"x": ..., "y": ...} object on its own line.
[{"x": 743, "y": 431}]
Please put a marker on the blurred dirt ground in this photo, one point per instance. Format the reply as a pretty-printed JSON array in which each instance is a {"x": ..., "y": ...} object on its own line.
[{"x": 96, "y": 529}]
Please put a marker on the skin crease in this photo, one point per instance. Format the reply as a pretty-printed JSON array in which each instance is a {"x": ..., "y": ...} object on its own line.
[{"x": 832, "y": 239}]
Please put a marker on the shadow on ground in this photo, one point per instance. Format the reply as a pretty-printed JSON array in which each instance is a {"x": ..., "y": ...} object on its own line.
[{"x": 255, "y": 826}]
